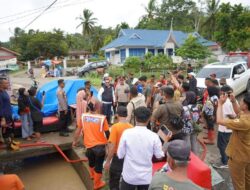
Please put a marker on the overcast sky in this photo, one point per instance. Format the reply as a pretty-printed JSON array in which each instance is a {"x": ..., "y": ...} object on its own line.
[{"x": 63, "y": 13}]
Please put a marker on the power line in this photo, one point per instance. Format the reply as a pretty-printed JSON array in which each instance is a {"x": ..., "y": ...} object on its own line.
[
  {"x": 54, "y": 8},
  {"x": 40, "y": 14},
  {"x": 30, "y": 10}
]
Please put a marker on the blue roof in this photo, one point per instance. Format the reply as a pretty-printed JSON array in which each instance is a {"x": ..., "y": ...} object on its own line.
[{"x": 151, "y": 38}]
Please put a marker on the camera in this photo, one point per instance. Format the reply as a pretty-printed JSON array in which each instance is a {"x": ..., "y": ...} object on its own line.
[{"x": 162, "y": 102}]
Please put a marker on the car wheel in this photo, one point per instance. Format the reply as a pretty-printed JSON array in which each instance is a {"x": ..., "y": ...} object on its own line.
[
  {"x": 248, "y": 86},
  {"x": 86, "y": 74},
  {"x": 80, "y": 74}
]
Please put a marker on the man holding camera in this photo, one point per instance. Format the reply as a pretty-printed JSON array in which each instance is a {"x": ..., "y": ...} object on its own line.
[
  {"x": 164, "y": 112},
  {"x": 224, "y": 134}
]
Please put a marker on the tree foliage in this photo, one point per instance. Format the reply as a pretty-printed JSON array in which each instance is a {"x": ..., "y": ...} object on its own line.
[
  {"x": 157, "y": 61},
  {"x": 193, "y": 49},
  {"x": 87, "y": 22},
  {"x": 134, "y": 63},
  {"x": 233, "y": 26},
  {"x": 35, "y": 44}
]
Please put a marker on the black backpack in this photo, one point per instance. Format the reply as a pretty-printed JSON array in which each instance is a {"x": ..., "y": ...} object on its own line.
[{"x": 175, "y": 121}]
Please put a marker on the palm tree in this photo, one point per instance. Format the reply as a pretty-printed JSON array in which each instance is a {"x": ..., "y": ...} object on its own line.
[
  {"x": 150, "y": 9},
  {"x": 210, "y": 23},
  {"x": 87, "y": 22}
]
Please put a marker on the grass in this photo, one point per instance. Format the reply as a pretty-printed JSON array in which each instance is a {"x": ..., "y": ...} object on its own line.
[{"x": 95, "y": 79}]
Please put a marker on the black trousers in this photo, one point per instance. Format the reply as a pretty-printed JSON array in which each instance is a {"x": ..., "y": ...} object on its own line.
[
  {"x": 106, "y": 110},
  {"x": 210, "y": 122},
  {"x": 222, "y": 141},
  {"x": 37, "y": 125},
  {"x": 115, "y": 173},
  {"x": 63, "y": 121},
  {"x": 122, "y": 104},
  {"x": 8, "y": 131},
  {"x": 96, "y": 156},
  {"x": 126, "y": 186}
]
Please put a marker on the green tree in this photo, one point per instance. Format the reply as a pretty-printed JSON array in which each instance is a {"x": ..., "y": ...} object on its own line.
[
  {"x": 159, "y": 61},
  {"x": 87, "y": 22},
  {"x": 210, "y": 23},
  {"x": 193, "y": 49},
  {"x": 151, "y": 9},
  {"x": 232, "y": 27}
]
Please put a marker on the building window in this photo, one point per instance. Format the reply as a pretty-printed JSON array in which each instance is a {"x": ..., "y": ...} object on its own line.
[
  {"x": 170, "y": 52},
  {"x": 123, "y": 55},
  {"x": 161, "y": 51},
  {"x": 152, "y": 51},
  {"x": 107, "y": 55},
  {"x": 138, "y": 52},
  {"x": 116, "y": 52}
]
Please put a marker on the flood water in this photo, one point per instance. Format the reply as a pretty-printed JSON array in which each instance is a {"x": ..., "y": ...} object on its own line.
[{"x": 50, "y": 172}]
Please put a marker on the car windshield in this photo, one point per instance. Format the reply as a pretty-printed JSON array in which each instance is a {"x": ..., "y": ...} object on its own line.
[
  {"x": 235, "y": 59},
  {"x": 220, "y": 72}
]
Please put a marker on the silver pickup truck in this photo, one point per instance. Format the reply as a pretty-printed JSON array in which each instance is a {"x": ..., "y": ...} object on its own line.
[{"x": 237, "y": 75}]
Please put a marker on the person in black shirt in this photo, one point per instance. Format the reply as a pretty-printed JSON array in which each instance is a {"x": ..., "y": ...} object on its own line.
[
  {"x": 192, "y": 82},
  {"x": 189, "y": 68},
  {"x": 24, "y": 112},
  {"x": 36, "y": 113},
  {"x": 107, "y": 96},
  {"x": 6, "y": 121}
]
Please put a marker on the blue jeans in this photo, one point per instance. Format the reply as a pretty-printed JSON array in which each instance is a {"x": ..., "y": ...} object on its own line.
[
  {"x": 222, "y": 141},
  {"x": 27, "y": 125}
]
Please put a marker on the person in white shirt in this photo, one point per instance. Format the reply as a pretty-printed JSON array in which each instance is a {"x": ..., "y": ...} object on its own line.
[
  {"x": 137, "y": 146},
  {"x": 224, "y": 134}
]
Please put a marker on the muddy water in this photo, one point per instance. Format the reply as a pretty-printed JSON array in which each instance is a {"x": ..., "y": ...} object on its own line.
[{"x": 49, "y": 173}]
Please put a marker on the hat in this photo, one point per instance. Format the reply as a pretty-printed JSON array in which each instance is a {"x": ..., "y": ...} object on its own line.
[
  {"x": 105, "y": 75},
  {"x": 158, "y": 85},
  {"x": 135, "y": 80},
  {"x": 179, "y": 150},
  {"x": 192, "y": 73}
]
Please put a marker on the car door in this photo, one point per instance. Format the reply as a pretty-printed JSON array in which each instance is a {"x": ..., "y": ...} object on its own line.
[{"x": 240, "y": 78}]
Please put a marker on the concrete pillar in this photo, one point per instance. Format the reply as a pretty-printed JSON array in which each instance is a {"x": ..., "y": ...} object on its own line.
[
  {"x": 86, "y": 60},
  {"x": 127, "y": 52},
  {"x": 65, "y": 64},
  {"x": 29, "y": 65},
  {"x": 146, "y": 50},
  {"x": 156, "y": 51},
  {"x": 165, "y": 51}
]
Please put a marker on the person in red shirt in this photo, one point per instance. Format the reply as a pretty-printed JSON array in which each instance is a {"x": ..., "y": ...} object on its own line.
[
  {"x": 95, "y": 130},
  {"x": 163, "y": 79},
  {"x": 208, "y": 83}
]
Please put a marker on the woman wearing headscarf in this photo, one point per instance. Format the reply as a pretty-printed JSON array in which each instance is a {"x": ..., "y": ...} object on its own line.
[
  {"x": 209, "y": 112},
  {"x": 190, "y": 117},
  {"x": 81, "y": 106},
  {"x": 25, "y": 115}
]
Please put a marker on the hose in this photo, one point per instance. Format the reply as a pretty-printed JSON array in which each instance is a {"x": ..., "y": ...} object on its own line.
[{"x": 51, "y": 145}]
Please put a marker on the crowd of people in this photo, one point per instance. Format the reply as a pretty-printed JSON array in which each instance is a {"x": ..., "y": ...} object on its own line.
[
  {"x": 134, "y": 122},
  {"x": 174, "y": 110}
]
